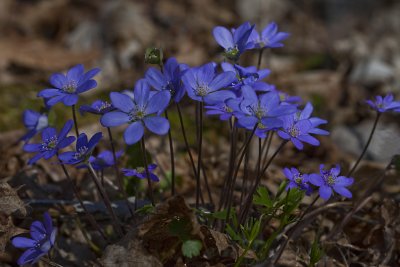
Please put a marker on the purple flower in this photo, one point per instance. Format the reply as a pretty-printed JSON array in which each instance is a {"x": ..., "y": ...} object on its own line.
[
  {"x": 105, "y": 159},
  {"x": 384, "y": 104},
  {"x": 328, "y": 180},
  {"x": 140, "y": 172},
  {"x": 98, "y": 107},
  {"x": 261, "y": 111},
  {"x": 34, "y": 122},
  {"x": 235, "y": 42},
  {"x": 142, "y": 110},
  {"x": 298, "y": 127},
  {"x": 67, "y": 87},
  {"x": 249, "y": 76},
  {"x": 202, "y": 84},
  {"x": 269, "y": 37},
  {"x": 169, "y": 79},
  {"x": 42, "y": 239},
  {"x": 84, "y": 149},
  {"x": 297, "y": 180},
  {"x": 51, "y": 142}
]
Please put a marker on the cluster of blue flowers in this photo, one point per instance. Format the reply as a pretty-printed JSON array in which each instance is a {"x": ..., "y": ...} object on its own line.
[
  {"x": 231, "y": 91},
  {"x": 327, "y": 181}
]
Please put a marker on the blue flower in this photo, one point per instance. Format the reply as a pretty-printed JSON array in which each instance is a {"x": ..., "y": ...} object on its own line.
[
  {"x": 249, "y": 76},
  {"x": 225, "y": 109},
  {"x": 42, "y": 239},
  {"x": 202, "y": 84},
  {"x": 51, "y": 142},
  {"x": 143, "y": 109},
  {"x": 67, "y": 87},
  {"x": 98, "y": 107},
  {"x": 235, "y": 42},
  {"x": 330, "y": 180},
  {"x": 35, "y": 122},
  {"x": 384, "y": 104},
  {"x": 298, "y": 127},
  {"x": 169, "y": 80},
  {"x": 261, "y": 111},
  {"x": 140, "y": 172},
  {"x": 84, "y": 149},
  {"x": 269, "y": 37},
  {"x": 105, "y": 159},
  {"x": 297, "y": 180}
]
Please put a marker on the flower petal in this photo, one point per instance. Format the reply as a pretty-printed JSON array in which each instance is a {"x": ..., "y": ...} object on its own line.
[
  {"x": 86, "y": 86},
  {"x": 156, "y": 79},
  {"x": 325, "y": 192},
  {"x": 158, "y": 102},
  {"x": 157, "y": 125},
  {"x": 47, "y": 93},
  {"x": 58, "y": 80},
  {"x": 218, "y": 96},
  {"x": 316, "y": 179},
  {"x": 134, "y": 133},
  {"x": 342, "y": 191},
  {"x": 70, "y": 99},
  {"x": 121, "y": 102},
  {"x": 75, "y": 73},
  {"x": 32, "y": 147},
  {"x": 222, "y": 80},
  {"x": 114, "y": 118},
  {"x": 141, "y": 92},
  {"x": 23, "y": 242},
  {"x": 223, "y": 37}
]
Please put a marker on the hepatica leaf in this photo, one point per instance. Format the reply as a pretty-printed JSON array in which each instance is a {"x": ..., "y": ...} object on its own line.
[{"x": 191, "y": 248}]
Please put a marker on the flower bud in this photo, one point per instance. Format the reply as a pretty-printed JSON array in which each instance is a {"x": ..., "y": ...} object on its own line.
[{"x": 153, "y": 55}]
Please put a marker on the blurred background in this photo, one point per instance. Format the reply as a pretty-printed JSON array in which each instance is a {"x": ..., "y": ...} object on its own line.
[{"x": 340, "y": 52}]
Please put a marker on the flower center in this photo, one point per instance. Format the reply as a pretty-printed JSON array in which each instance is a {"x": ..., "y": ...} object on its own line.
[
  {"x": 50, "y": 143},
  {"x": 294, "y": 131},
  {"x": 137, "y": 113},
  {"x": 202, "y": 90},
  {"x": 140, "y": 169},
  {"x": 261, "y": 126},
  {"x": 70, "y": 87},
  {"x": 330, "y": 180},
  {"x": 81, "y": 152},
  {"x": 258, "y": 111},
  {"x": 227, "y": 109},
  {"x": 103, "y": 106},
  {"x": 170, "y": 87},
  {"x": 232, "y": 53}
]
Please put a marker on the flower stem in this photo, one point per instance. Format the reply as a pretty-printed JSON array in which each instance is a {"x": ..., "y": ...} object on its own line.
[
  {"x": 106, "y": 200},
  {"x": 119, "y": 178},
  {"x": 150, "y": 187},
  {"x": 231, "y": 187},
  {"x": 378, "y": 115},
  {"x": 171, "y": 151},
  {"x": 199, "y": 150},
  {"x": 260, "y": 53},
  {"x": 75, "y": 121},
  {"x": 247, "y": 204},
  {"x": 78, "y": 196},
  {"x": 187, "y": 146}
]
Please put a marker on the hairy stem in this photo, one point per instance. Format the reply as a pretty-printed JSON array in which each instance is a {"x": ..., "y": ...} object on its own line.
[
  {"x": 75, "y": 121},
  {"x": 378, "y": 115},
  {"x": 171, "y": 151},
  {"x": 90, "y": 217},
  {"x": 199, "y": 150},
  {"x": 106, "y": 200},
  {"x": 118, "y": 175},
  {"x": 150, "y": 187}
]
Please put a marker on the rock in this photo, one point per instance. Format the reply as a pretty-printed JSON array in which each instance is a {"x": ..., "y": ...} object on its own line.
[
  {"x": 371, "y": 71},
  {"x": 385, "y": 142}
]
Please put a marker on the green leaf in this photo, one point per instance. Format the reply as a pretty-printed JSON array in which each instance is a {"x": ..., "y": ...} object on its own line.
[
  {"x": 316, "y": 253},
  {"x": 191, "y": 248},
  {"x": 146, "y": 209},
  {"x": 262, "y": 198},
  {"x": 233, "y": 234}
]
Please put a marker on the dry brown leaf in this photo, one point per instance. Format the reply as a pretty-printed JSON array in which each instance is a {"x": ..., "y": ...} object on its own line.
[
  {"x": 10, "y": 201},
  {"x": 7, "y": 230}
]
